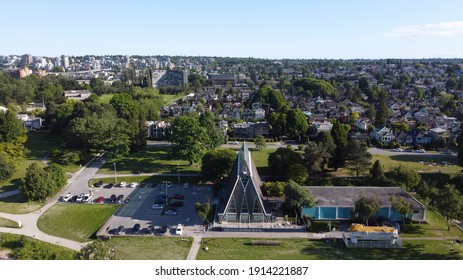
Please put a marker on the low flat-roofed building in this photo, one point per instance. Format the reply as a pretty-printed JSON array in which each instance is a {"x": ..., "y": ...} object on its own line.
[
  {"x": 77, "y": 94},
  {"x": 337, "y": 203}
]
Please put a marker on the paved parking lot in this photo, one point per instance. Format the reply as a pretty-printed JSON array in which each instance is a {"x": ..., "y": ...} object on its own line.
[{"x": 138, "y": 209}]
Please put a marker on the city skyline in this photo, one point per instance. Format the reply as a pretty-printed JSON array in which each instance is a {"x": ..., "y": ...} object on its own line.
[{"x": 261, "y": 29}]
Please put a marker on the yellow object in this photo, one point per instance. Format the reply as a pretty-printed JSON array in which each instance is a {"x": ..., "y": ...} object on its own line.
[{"x": 362, "y": 228}]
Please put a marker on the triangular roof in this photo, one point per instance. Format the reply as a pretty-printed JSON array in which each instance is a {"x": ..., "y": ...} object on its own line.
[{"x": 242, "y": 193}]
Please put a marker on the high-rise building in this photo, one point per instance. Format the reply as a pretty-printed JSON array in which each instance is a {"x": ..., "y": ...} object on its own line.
[
  {"x": 65, "y": 60},
  {"x": 27, "y": 59}
]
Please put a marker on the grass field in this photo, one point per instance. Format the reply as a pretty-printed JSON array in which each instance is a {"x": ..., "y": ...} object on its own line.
[
  {"x": 149, "y": 160},
  {"x": 18, "y": 204},
  {"x": 413, "y": 162},
  {"x": 8, "y": 223},
  {"x": 436, "y": 227},
  {"x": 303, "y": 249},
  {"x": 151, "y": 248},
  {"x": 260, "y": 159},
  {"x": 105, "y": 98},
  {"x": 169, "y": 99},
  {"x": 77, "y": 222}
]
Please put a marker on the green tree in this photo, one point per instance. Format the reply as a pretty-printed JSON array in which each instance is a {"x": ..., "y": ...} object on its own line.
[
  {"x": 260, "y": 143},
  {"x": 401, "y": 206},
  {"x": 273, "y": 189},
  {"x": 377, "y": 172},
  {"x": 124, "y": 104},
  {"x": 297, "y": 197},
  {"x": 203, "y": 210},
  {"x": 449, "y": 202},
  {"x": 316, "y": 156},
  {"x": 280, "y": 160},
  {"x": 296, "y": 123},
  {"x": 188, "y": 138},
  {"x": 357, "y": 158},
  {"x": 214, "y": 137},
  {"x": 460, "y": 148},
  {"x": 339, "y": 135},
  {"x": 97, "y": 250},
  {"x": 297, "y": 172},
  {"x": 6, "y": 169},
  {"x": 11, "y": 128},
  {"x": 217, "y": 163},
  {"x": 382, "y": 114},
  {"x": 365, "y": 208},
  {"x": 405, "y": 177}
]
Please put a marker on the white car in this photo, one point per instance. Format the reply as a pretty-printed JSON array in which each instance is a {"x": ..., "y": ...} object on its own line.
[
  {"x": 421, "y": 151},
  {"x": 80, "y": 197},
  {"x": 169, "y": 184},
  {"x": 67, "y": 197},
  {"x": 157, "y": 206},
  {"x": 133, "y": 185},
  {"x": 185, "y": 186},
  {"x": 123, "y": 184},
  {"x": 179, "y": 230},
  {"x": 87, "y": 198},
  {"x": 397, "y": 150}
]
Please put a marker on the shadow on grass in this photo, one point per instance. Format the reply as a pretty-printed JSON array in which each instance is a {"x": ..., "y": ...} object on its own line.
[
  {"x": 325, "y": 250},
  {"x": 426, "y": 158},
  {"x": 20, "y": 198}
]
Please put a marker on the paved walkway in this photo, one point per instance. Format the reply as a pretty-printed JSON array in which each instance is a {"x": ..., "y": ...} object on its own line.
[{"x": 195, "y": 246}]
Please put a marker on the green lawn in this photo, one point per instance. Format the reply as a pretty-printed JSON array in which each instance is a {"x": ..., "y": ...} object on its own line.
[
  {"x": 18, "y": 204},
  {"x": 169, "y": 99},
  {"x": 149, "y": 160},
  {"x": 151, "y": 248},
  {"x": 8, "y": 223},
  {"x": 413, "y": 162},
  {"x": 77, "y": 222},
  {"x": 303, "y": 249},
  {"x": 26, "y": 248},
  {"x": 260, "y": 159},
  {"x": 436, "y": 227},
  {"x": 105, "y": 98}
]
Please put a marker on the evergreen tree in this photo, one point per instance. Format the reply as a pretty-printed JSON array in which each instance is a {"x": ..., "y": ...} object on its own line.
[
  {"x": 377, "y": 172},
  {"x": 340, "y": 140},
  {"x": 357, "y": 158}
]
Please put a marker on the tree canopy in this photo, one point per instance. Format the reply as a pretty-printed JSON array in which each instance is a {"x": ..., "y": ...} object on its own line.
[
  {"x": 296, "y": 196},
  {"x": 217, "y": 163},
  {"x": 357, "y": 158},
  {"x": 365, "y": 208},
  {"x": 41, "y": 183}
]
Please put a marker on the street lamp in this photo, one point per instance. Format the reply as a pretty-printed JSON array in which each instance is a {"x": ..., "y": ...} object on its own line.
[{"x": 115, "y": 173}]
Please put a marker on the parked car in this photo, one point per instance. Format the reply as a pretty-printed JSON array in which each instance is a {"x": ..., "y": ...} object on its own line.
[
  {"x": 161, "y": 196},
  {"x": 178, "y": 196},
  {"x": 177, "y": 204},
  {"x": 80, "y": 197},
  {"x": 99, "y": 184},
  {"x": 409, "y": 150},
  {"x": 157, "y": 206},
  {"x": 447, "y": 152},
  {"x": 397, "y": 150},
  {"x": 185, "y": 186},
  {"x": 100, "y": 199},
  {"x": 113, "y": 198},
  {"x": 160, "y": 201},
  {"x": 73, "y": 198},
  {"x": 142, "y": 185},
  {"x": 120, "y": 229},
  {"x": 136, "y": 228},
  {"x": 170, "y": 212},
  {"x": 67, "y": 197},
  {"x": 133, "y": 185},
  {"x": 150, "y": 230},
  {"x": 179, "y": 229},
  {"x": 122, "y": 184},
  {"x": 169, "y": 184},
  {"x": 421, "y": 151},
  {"x": 109, "y": 186},
  {"x": 120, "y": 198},
  {"x": 87, "y": 198},
  {"x": 164, "y": 229}
]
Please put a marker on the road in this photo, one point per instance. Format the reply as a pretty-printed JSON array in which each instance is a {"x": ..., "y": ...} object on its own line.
[{"x": 377, "y": 151}]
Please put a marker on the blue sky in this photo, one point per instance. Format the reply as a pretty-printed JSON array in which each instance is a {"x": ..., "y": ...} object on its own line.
[{"x": 253, "y": 28}]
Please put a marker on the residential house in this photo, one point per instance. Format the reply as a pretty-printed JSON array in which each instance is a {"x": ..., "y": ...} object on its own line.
[
  {"x": 251, "y": 130},
  {"x": 30, "y": 123},
  {"x": 322, "y": 126},
  {"x": 424, "y": 138},
  {"x": 438, "y": 132},
  {"x": 382, "y": 134},
  {"x": 259, "y": 114},
  {"x": 362, "y": 123},
  {"x": 158, "y": 129}
]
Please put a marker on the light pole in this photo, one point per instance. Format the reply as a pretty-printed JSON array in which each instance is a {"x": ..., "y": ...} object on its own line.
[{"x": 115, "y": 173}]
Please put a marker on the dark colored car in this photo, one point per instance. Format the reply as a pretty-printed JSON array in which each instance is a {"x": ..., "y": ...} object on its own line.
[
  {"x": 113, "y": 198},
  {"x": 99, "y": 184},
  {"x": 109, "y": 186},
  {"x": 178, "y": 196},
  {"x": 73, "y": 199},
  {"x": 164, "y": 229},
  {"x": 176, "y": 203},
  {"x": 136, "y": 228},
  {"x": 161, "y": 196},
  {"x": 150, "y": 230},
  {"x": 120, "y": 198},
  {"x": 160, "y": 201},
  {"x": 142, "y": 185},
  {"x": 120, "y": 230}
]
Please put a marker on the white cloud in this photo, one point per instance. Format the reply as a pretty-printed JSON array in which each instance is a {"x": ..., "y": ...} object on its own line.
[{"x": 442, "y": 29}]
